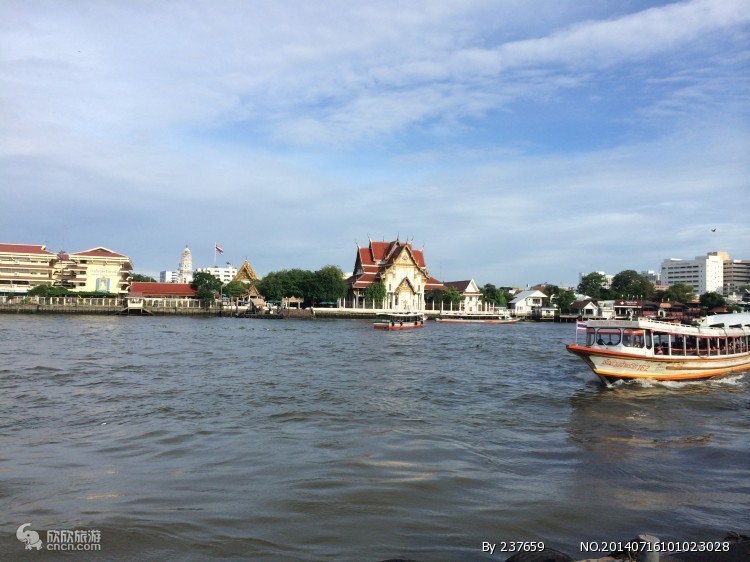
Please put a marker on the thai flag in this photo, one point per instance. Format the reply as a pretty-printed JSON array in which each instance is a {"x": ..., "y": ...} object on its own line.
[
  {"x": 581, "y": 326},
  {"x": 219, "y": 249}
]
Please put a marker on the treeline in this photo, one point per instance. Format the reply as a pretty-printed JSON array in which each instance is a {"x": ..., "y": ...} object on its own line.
[
  {"x": 631, "y": 285},
  {"x": 314, "y": 287},
  {"x": 491, "y": 295},
  {"x": 325, "y": 285},
  {"x": 49, "y": 291}
]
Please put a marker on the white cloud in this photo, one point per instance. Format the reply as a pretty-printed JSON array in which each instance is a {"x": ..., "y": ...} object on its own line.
[{"x": 497, "y": 127}]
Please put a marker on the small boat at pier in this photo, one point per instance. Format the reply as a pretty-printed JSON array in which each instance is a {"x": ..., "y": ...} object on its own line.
[
  {"x": 403, "y": 321},
  {"x": 475, "y": 318},
  {"x": 647, "y": 349}
]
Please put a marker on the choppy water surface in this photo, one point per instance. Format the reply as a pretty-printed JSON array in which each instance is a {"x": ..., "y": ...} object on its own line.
[{"x": 195, "y": 439}]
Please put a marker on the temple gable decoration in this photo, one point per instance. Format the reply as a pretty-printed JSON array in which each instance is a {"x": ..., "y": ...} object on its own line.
[{"x": 246, "y": 275}]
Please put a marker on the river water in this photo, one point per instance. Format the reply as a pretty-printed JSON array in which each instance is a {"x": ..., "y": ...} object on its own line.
[{"x": 197, "y": 439}]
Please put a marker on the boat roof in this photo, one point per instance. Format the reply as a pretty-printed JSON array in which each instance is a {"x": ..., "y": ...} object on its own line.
[
  {"x": 735, "y": 328},
  {"x": 727, "y": 319}
]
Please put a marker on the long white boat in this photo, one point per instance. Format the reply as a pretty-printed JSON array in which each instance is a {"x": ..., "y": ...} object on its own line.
[
  {"x": 476, "y": 318},
  {"x": 402, "y": 321},
  {"x": 646, "y": 349}
]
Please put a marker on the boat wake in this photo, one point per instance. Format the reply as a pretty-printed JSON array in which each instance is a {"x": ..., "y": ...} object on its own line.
[{"x": 733, "y": 380}]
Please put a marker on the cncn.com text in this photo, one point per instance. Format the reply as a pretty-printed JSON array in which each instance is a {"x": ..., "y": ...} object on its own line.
[{"x": 73, "y": 546}]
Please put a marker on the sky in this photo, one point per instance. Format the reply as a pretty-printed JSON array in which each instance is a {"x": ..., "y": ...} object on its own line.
[{"x": 515, "y": 141}]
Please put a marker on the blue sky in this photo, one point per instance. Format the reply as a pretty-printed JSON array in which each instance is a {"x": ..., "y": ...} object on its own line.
[{"x": 518, "y": 142}]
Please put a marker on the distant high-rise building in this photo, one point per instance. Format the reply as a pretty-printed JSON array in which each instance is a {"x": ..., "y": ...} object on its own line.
[
  {"x": 705, "y": 274},
  {"x": 167, "y": 276},
  {"x": 736, "y": 275}
]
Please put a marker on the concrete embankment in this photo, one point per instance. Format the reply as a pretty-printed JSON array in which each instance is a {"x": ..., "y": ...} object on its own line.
[
  {"x": 98, "y": 309},
  {"x": 106, "y": 310}
]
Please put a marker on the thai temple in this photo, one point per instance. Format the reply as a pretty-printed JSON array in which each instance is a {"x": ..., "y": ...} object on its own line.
[{"x": 399, "y": 267}]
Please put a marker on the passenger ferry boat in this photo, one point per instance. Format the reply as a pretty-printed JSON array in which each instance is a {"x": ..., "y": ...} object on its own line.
[
  {"x": 475, "y": 318},
  {"x": 403, "y": 321},
  {"x": 646, "y": 349}
]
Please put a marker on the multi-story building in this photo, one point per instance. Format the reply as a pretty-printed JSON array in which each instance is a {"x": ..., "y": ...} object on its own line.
[
  {"x": 736, "y": 275},
  {"x": 25, "y": 266},
  {"x": 98, "y": 270},
  {"x": 223, "y": 274},
  {"x": 168, "y": 276},
  {"x": 704, "y": 274}
]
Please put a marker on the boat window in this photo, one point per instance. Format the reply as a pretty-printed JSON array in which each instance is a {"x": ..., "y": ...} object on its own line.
[
  {"x": 590, "y": 336},
  {"x": 661, "y": 343},
  {"x": 677, "y": 345},
  {"x": 632, "y": 338},
  {"x": 608, "y": 336},
  {"x": 649, "y": 340}
]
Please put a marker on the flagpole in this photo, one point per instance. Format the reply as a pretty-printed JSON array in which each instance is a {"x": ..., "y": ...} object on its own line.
[{"x": 215, "y": 244}]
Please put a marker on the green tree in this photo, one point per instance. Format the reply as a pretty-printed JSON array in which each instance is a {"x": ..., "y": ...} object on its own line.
[
  {"x": 631, "y": 284},
  {"x": 206, "y": 287},
  {"x": 453, "y": 297},
  {"x": 375, "y": 292},
  {"x": 679, "y": 292},
  {"x": 235, "y": 289},
  {"x": 299, "y": 283},
  {"x": 434, "y": 296},
  {"x": 562, "y": 298},
  {"x": 329, "y": 284},
  {"x": 48, "y": 291},
  {"x": 272, "y": 286},
  {"x": 566, "y": 299},
  {"x": 712, "y": 300},
  {"x": 490, "y": 294},
  {"x": 139, "y": 278},
  {"x": 447, "y": 297},
  {"x": 592, "y": 285}
]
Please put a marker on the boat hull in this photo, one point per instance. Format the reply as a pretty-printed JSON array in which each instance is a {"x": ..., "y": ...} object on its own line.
[
  {"x": 473, "y": 321},
  {"x": 611, "y": 366},
  {"x": 397, "y": 326}
]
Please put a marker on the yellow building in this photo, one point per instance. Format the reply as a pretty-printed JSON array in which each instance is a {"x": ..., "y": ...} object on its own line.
[
  {"x": 24, "y": 266},
  {"x": 96, "y": 270}
]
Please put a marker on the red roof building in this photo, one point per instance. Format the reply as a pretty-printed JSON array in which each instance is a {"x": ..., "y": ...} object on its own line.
[
  {"x": 25, "y": 266},
  {"x": 139, "y": 289},
  {"x": 399, "y": 267}
]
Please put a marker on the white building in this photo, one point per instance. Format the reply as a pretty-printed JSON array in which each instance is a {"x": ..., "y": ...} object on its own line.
[
  {"x": 185, "y": 272},
  {"x": 528, "y": 303},
  {"x": 167, "y": 276},
  {"x": 704, "y": 274},
  {"x": 470, "y": 292},
  {"x": 224, "y": 274}
]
